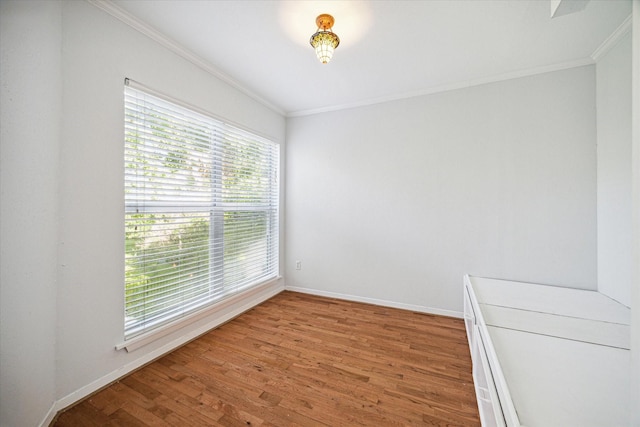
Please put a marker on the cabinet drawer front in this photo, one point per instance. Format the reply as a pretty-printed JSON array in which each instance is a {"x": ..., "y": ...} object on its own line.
[
  {"x": 486, "y": 393},
  {"x": 469, "y": 317}
]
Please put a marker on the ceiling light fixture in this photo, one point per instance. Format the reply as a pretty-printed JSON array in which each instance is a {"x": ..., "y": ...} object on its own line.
[{"x": 324, "y": 41}]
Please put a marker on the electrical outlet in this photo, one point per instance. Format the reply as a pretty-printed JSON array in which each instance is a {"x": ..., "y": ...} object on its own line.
[{"x": 298, "y": 265}]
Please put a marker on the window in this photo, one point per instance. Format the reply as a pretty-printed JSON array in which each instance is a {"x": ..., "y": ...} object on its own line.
[{"x": 201, "y": 210}]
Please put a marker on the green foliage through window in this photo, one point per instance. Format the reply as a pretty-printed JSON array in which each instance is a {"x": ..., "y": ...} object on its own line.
[{"x": 201, "y": 211}]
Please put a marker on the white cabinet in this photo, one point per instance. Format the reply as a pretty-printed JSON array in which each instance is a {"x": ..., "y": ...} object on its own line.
[
  {"x": 469, "y": 317},
  {"x": 489, "y": 407},
  {"x": 547, "y": 356}
]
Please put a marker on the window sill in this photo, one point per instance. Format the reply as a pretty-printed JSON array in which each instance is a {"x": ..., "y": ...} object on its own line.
[{"x": 221, "y": 312}]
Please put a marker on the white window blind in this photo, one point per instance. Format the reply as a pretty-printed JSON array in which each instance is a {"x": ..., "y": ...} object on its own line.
[{"x": 201, "y": 210}]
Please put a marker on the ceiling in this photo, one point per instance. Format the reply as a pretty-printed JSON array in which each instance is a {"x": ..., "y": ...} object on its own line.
[{"x": 388, "y": 49}]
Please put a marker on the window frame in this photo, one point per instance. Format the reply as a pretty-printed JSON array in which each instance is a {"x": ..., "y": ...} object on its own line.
[{"x": 218, "y": 211}]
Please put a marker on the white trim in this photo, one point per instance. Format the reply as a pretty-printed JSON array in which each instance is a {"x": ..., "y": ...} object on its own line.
[
  {"x": 48, "y": 419},
  {"x": 612, "y": 40},
  {"x": 153, "y": 34},
  {"x": 244, "y": 304},
  {"x": 374, "y": 301},
  {"x": 154, "y": 335},
  {"x": 448, "y": 87}
]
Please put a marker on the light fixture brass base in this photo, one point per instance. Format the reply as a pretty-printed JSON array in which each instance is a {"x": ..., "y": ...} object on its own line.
[{"x": 325, "y": 21}]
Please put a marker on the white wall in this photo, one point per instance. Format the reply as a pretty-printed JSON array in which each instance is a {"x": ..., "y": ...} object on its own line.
[
  {"x": 30, "y": 37},
  {"x": 99, "y": 52},
  {"x": 635, "y": 187},
  {"x": 613, "y": 93},
  {"x": 395, "y": 202},
  {"x": 72, "y": 162}
]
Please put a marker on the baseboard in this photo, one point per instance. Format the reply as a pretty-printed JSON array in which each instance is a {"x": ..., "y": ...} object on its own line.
[
  {"x": 374, "y": 301},
  {"x": 50, "y": 415},
  {"x": 242, "y": 306}
]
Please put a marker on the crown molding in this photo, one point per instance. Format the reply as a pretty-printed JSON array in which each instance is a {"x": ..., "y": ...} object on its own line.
[
  {"x": 142, "y": 27},
  {"x": 448, "y": 87},
  {"x": 152, "y": 33},
  {"x": 612, "y": 40}
]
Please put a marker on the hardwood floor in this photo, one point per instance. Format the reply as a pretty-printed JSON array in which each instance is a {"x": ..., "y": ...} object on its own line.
[{"x": 301, "y": 360}]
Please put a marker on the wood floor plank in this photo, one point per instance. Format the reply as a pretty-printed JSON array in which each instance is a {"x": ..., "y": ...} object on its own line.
[{"x": 301, "y": 360}]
